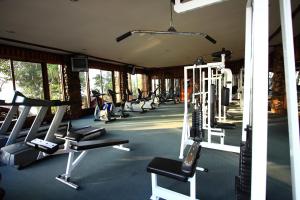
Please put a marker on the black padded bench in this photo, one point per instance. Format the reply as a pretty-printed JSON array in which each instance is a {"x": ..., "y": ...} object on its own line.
[
  {"x": 82, "y": 134},
  {"x": 179, "y": 170},
  {"x": 74, "y": 143},
  {"x": 86, "y": 145}
]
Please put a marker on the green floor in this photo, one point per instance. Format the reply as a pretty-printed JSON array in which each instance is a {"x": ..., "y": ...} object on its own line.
[{"x": 111, "y": 174}]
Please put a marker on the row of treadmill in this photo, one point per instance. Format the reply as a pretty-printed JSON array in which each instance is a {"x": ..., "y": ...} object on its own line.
[
  {"x": 20, "y": 148},
  {"x": 110, "y": 110}
]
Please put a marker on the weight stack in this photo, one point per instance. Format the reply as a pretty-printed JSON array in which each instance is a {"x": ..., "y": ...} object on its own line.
[
  {"x": 196, "y": 129},
  {"x": 243, "y": 180}
]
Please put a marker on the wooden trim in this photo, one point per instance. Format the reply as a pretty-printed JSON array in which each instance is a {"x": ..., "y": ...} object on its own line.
[
  {"x": 58, "y": 49},
  {"x": 45, "y": 81},
  {"x": 12, "y": 69},
  {"x": 29, "y": 55},
  {"x": 113, "y": 80}
]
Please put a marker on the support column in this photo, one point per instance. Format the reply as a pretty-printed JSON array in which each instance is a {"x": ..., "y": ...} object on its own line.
[{"x": 72, "y": 89}]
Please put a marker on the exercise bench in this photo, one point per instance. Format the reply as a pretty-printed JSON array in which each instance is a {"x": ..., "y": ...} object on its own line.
[
  {"x": 184, "y": 171},
  {"x": 72, "y": 145}
]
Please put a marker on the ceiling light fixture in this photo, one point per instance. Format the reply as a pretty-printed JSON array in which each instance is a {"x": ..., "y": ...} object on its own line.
[
  {"x": 170, "y": 31},
  {"x": 180, "y": 7}
]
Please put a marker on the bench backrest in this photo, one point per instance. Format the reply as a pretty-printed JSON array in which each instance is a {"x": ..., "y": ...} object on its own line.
[{"x": 189, "y": 163}]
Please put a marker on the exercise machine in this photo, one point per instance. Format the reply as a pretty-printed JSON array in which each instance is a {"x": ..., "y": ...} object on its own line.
[
  {"x": 169, "y": 96},
  {"x": 18, "y": 154},
  {"x": 149, "y": 101},
  {"x": 133, "y": 105},
  {"x": 207, "y": 86},
  {"x": 99, "y": 104},
  {"x": 184, "y": 171},
  {"x": 256, "y": 88},
  {"x": 18, "y": 134},
  {"x": 117, "y": 108},
  {"x": 107, "y": 111},
  {"x": 155, "y": 97},
  {"x": 74, "y": 144}
]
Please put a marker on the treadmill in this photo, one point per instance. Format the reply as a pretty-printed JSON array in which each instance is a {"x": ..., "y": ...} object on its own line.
[{"x": 18, "y": 154}]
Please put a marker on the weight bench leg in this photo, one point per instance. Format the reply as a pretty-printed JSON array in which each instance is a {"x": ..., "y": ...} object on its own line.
[
  {"x": 65, "y": 178},
  {"x": 193, "y": 187},
  {"x": 121, "y": 147},
  {"x": 154, "y": 186}
]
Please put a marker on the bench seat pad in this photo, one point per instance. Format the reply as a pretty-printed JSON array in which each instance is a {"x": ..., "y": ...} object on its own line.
[{"x": 168, "y": 168}]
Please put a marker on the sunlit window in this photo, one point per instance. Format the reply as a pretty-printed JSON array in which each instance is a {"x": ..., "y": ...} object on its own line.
[
  {"x": 155, "y": 86},
  {"x": 83, "y": 76},
  {"x": 6, "y": 84},
  {"x": 29, "y": 79},
  {"x": 55, "y": 81}
]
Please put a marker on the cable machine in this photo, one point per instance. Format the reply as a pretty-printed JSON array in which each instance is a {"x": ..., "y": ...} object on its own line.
[{"x": 256, "y": 88}]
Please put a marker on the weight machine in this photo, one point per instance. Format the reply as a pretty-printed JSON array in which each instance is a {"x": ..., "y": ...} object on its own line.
[
  {"x": 210, "y": 82},
  {"x": 256, "y": 87}
]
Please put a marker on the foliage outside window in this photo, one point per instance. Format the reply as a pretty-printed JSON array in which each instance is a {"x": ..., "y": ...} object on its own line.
[
  {"x": 55, "y": 82},
  {"x": 6, "y": 84},
  {"x": 29, "y": 79},
  {"x": 135, "y": 82},
  {"x": 95, "y": 79},
  {"x": 117, "y": 85},
  {"x": 100, "y": 80},
  {"x": 83, "y": 76}
]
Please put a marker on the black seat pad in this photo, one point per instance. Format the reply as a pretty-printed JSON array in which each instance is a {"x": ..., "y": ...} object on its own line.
[
  {"x": 85, "y": 145},
  {"x": 168, "y": 168},
  {"x": 79, "y": 134}
]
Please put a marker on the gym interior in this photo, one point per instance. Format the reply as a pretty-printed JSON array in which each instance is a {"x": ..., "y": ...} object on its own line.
[{"x": 160, "y": 99}]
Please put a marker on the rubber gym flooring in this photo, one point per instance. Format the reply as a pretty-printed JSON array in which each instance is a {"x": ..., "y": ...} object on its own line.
[{"x": 111, "y": 174}]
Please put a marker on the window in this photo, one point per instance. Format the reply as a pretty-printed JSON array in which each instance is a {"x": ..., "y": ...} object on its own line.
[
  {"x": 155, "y": 84},
  {"x": 106, "y": 80},
  {"x": 55, "y": 81},
  {"x": 95, "y": 79},
  {"x": 136, "y": 82},
  {"x": 117, "y": 85},
  {"x": 100, "y": 80},
  {"x": 168, "y": 84},
  {"x": 29, "y": 79},
  {"x": 6, "y": 83},
  {"x": 83, "y": 76}
]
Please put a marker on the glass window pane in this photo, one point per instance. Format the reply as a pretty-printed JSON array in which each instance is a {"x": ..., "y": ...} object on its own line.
[
  {"x": 168, "y": 84},
  {"x": 106, "y": 80},
  {"x": 117, "y": 85},
  {"x": 29, "y": 79},
  {"x": 134, "y": 84},
  {"x": 155, "y": 85},
  {"x": 6, "y": 84},
  {"x": 83, "y": 88},
  {"x": 55, "y": 82},
  {"x": 100, "y": 80},
  {"x": 95, "y": 80}
]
